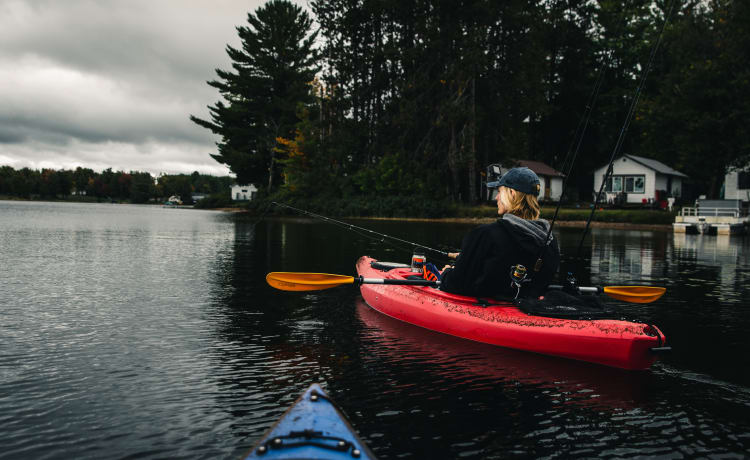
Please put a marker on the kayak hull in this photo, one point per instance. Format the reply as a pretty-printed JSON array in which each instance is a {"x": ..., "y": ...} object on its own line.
[
  {"x": 615, "y": 343},
  {"x": 313, "y": 427}
]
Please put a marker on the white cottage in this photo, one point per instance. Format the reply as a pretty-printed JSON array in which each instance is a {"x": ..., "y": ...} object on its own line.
[
  {"x": 639, "y": 180},
  {"x": 550, "y": 179},
  {"x": 243, "y": 192},
  {"x": 737, "y": 185}
]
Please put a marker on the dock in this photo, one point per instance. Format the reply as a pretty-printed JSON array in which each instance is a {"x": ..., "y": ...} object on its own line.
[{"x": 713, "y": 217}]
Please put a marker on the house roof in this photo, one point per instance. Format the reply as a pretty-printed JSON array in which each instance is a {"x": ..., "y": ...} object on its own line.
[
  {"x": 657, "y": 166},
  {"x": 541, "y": 169}
]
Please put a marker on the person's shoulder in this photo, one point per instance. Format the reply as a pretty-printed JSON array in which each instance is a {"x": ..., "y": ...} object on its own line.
[
  {"x": 514, "y": 221},
  {"x": 489, "y": 228},
  {"x": 483, "y": 232},
  {"x": 494, "y": 231}
]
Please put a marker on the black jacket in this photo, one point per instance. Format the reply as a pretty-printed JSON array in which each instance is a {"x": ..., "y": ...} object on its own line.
[{"x": 488, "y": 252}]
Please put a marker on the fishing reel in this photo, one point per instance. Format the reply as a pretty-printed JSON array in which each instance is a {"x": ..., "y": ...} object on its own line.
[
  {"x": 518, "y": 276},
  {"x": 571, "y": 284}
]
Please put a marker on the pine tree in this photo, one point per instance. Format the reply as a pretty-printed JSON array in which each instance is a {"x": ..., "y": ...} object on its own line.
[{"x": 270, "y": 78}]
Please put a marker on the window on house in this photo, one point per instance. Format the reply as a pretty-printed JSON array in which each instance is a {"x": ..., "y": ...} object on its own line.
[
  {"x": 629, "y": 184},
  {"x": 743, "y": 180},
  {"x": 635, "y": 184},
  {"x": 614, "y": 184}
]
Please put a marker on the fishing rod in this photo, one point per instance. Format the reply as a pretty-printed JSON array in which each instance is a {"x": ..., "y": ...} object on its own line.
[
  {"x": 577, "y": 140},
  {"x": 618, "y": 147},
  {"x": 367, "y": 231},
  {"x": 625, "y": 126}
]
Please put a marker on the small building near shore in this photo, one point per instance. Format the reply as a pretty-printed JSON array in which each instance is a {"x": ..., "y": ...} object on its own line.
[
  {"x": 244, "y": 192},
  {"x": 550, "y": 179},
  {"x": 639, "y": 180}
]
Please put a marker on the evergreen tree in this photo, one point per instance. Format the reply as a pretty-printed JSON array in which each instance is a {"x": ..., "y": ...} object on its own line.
[
  {"x": 697, "y": 118},
  {"x": 270, "y": 77}
]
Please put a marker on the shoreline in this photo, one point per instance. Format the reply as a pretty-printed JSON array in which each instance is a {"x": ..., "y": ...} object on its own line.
[
  {"x": 489, "y": 220},
  {"x": 456, "y": 220},
  {"x": 559, "y": 223}
]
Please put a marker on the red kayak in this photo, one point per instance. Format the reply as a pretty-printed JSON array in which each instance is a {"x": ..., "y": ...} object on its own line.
[{"x": 610, "y": 342}]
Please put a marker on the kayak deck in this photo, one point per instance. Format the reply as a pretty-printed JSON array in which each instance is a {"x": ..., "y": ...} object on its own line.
[
  {"x": 313, "y": 427},
  {"x": 615, "y": 343}
]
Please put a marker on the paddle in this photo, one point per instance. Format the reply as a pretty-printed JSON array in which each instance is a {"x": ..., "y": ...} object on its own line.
[
  {"x": 291, "y": 281},
  {"x": 632, "y": 294}
]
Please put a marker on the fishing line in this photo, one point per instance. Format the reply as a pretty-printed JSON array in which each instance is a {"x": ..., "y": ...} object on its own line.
[
  {"x": 582, "y": 126},
  {"x": 262, "y": 216},
  {"x": 365, "y": 231},
  {"x": 626, "y": 125},
  {"x": 577, "y": 139}
]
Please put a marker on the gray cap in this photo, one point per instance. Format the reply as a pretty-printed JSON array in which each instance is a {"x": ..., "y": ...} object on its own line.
[{"x": 521, "y": 179}]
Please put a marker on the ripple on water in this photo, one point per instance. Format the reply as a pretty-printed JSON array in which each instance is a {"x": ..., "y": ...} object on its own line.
[{"x": 150, "y": 333}]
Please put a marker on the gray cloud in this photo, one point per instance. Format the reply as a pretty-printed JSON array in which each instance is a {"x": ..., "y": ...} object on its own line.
[{"x": 112, "y": 83}]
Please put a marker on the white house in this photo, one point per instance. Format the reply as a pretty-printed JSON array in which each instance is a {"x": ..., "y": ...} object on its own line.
[
  {"x": 243, "y": 192},
  {"x": 550, "y": 179},
  {"x": 639, "y": 180},
  {"x": 737, "y": 185}
]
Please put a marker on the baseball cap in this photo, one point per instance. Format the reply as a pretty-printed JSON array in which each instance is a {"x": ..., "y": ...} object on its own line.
[{"x": 522, "y": 179}]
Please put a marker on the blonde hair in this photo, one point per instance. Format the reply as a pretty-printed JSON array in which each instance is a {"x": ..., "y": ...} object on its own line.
[{"x": 519, "y": 204}]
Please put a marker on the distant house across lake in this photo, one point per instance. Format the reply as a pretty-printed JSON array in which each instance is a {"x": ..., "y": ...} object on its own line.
[
  {"x": 639, "y": 180},
  {"x": 243, "y": 192},
  {"x": 550, "y": 179}
]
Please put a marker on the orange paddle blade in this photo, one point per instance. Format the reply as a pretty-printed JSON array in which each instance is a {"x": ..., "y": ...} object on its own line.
[
  {"x": 289, "y": 281},
  {"x": 635, "y": 294}
]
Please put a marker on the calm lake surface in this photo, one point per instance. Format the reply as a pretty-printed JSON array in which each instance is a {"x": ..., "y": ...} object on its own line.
[{"x": 147, "y": 332}]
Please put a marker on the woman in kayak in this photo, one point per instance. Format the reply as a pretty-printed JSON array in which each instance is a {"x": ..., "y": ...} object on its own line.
[{"x": 491, "y": 253}]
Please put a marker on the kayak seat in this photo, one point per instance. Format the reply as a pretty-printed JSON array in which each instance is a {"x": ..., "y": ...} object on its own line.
[{"x": 559, "y": 304}]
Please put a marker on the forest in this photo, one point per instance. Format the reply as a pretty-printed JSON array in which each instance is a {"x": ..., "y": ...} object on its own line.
[
  {"x": 84, "y": 184},
  {"x": 414, "y": 98}
]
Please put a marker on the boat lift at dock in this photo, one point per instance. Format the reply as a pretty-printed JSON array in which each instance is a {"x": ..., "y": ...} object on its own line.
[{"x": 713, "y": 217}]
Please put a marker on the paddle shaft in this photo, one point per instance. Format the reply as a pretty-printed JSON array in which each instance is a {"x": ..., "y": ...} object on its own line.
[
  {"x": 290, "y": 281},
  {"x": 358, "y": 280},
  {"x": 581, "y": 289}
]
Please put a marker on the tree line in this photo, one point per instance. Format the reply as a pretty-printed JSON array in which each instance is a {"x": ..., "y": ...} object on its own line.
[
  {"x": 108, "y": 185},
  {"x": 416, "y": 97}
]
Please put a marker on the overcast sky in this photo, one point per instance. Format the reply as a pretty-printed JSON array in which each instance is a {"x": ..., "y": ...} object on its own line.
[{"x": 111, "y": 83}]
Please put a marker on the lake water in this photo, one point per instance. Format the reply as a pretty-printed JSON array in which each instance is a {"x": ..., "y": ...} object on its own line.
[{"x": 147, "y": 332}]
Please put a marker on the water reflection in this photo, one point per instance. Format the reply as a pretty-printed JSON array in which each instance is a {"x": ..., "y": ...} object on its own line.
[
  {"x": 626, "y": 256},
  {"x": 462, "y": 361},
  {"x": 145, "y": 332},
  {"x": 724, "y": 253}
]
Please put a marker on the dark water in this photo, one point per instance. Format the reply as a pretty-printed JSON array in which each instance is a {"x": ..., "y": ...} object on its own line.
[{"x": 144, "y": 332}]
